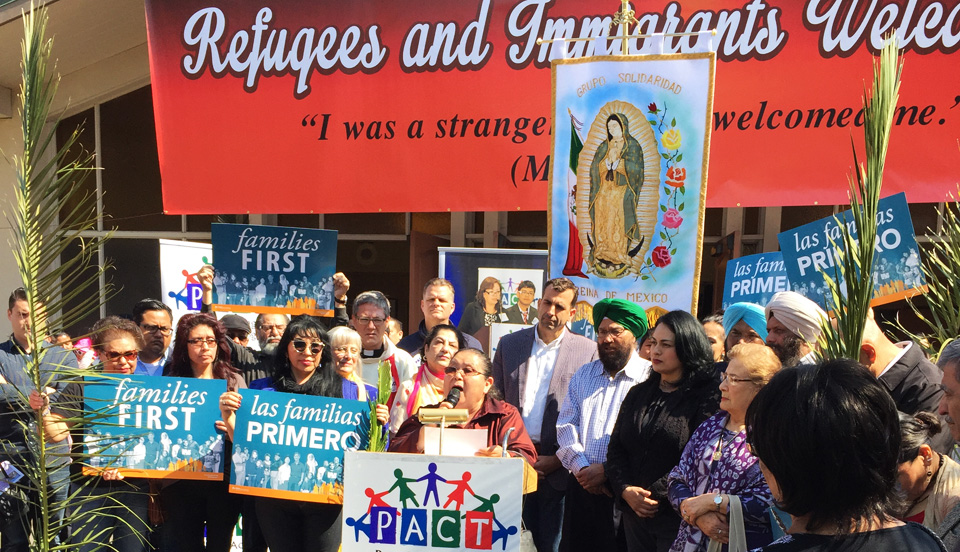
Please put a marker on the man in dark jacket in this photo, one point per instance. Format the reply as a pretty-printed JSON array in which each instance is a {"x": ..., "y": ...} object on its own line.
[
  {"x": 904, "y": 371},
  {"x": 437, "y": 306},
  {"x": 533, "y": 368}
]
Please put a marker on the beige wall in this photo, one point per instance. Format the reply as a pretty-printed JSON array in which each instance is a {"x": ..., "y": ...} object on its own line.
[{"x": 79, "y": 89}]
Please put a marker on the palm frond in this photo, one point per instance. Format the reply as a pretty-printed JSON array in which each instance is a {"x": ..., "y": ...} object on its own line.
[
  {"x": 851, "y": 286},
  {"x": 49, "y": 213}
]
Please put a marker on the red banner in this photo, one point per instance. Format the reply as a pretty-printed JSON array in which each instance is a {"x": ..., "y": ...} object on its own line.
[{"x": 367, "y": 106}]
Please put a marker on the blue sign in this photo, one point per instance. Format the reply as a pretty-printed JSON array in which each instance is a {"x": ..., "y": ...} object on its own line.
[
  {"x": 809, "y": 254},
  {"x": 291, "y": 446},
  {"x": 194, "y": 296},
  {"x": 148, "y": 426},
  {"x": 273, "y": 269},
  {"x": 754, "y": 279}
]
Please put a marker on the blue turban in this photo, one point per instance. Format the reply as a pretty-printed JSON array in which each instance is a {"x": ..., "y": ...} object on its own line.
[
  {"x": 750, "y": 313},
  {"x": 626, "y": 313}
]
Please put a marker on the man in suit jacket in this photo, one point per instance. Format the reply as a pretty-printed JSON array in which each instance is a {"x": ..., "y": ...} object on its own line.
[
  {"x": 533, "y": 367},
  {"x": 523, "y": 312}
]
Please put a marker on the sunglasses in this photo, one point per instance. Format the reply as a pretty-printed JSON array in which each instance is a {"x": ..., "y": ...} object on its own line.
[
  {"x": 113, "y": 356},
  {"x": 300, "y": 346}
]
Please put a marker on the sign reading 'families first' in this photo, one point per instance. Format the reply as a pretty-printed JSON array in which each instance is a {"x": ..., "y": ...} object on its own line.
[
  {"x": 754, "y": 279},
  {"x": 291, "y": 446},
  {"x": 408, "y": 502},
  {"x": 155, "y": 427},
  {"x": 273, "y": 269},
  {"x": 809, "y": 254}
]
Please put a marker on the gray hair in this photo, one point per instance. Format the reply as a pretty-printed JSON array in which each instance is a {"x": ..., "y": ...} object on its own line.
[
  {"x": 950, "y": 355},
  {"x": 342, "y": 335},
  {"x": 374, "y": 298}
]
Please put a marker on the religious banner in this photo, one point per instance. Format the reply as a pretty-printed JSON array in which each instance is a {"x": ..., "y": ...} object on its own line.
[
  {"x": 408, "y": 502},
  {"x": 256, "y": 102},
  {"x": 754, "y": 279},
  {"x": 629, "y": 178},
  {"x": 809, "y": 254},
  {"x": 291, "y": 446},
  {"x": 147, "y": 426},
  {"x": 273, "y": 269}
]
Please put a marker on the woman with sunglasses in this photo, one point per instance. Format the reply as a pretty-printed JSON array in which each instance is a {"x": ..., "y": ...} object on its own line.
[
  {"x": 302, "y": 365},
  {"x": 201, "y": 350},
  {"x": 471, "y": 371},
  {"x": 112, "y": 510},
  {"x": 717, "y": 465},
  {"x": 656, "y": 419}
]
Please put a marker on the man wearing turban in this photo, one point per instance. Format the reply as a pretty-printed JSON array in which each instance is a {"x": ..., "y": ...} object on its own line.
[
  {"x": 794, "y": 324},
  {"x": 586, "y": 422},
  {"x": 744, "y": 323}
]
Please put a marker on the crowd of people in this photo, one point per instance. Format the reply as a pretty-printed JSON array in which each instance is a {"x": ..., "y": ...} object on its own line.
[{"x": 723, "y": 434}]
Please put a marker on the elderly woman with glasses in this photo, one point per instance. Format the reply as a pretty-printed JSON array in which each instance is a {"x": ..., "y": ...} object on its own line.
[
  {"x": 192, "y": 507},
  {"x": 717, "y": 464},
  {"x": 345, "y": 343},
  {"x": 470, "y": 371}
]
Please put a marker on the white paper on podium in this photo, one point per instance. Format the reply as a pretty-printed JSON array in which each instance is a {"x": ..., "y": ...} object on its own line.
[{"x": 456, "y": 441}]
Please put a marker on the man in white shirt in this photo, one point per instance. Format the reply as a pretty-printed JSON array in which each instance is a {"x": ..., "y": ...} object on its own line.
[
  {"x": 533, "y": 367},
  {"x": 586, "y": 422}
]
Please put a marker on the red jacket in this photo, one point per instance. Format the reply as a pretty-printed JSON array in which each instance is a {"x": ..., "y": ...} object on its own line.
[{"x": 494, "y": 415}]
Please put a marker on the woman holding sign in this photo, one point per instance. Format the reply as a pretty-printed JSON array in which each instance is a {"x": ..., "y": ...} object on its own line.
[
  {"x": 108, "y": 507},
  {"x": 303, "y": 365},
  {"x": 190, "y": 506}
]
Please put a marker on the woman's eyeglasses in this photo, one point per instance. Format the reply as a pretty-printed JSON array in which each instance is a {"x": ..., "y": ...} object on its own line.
[
  {"x": 199, "y": 341},
  {"x": 347, "y": 350},
  {"x": 735, "y": 380},
  {"x": 300, "y": 346},
  {"x": 468, "y": 371},
  {"x": 114, "y": 356}
]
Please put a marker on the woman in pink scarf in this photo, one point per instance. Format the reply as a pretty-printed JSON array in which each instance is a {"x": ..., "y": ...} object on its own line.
[{"x": 426, "y": 387}]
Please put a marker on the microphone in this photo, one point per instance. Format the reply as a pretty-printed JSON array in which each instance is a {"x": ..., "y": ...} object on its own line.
[{"x": 452, "y": 398}]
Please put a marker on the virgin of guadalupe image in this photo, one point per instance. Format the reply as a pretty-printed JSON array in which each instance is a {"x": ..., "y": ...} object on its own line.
[{"x": 620, "y": 210}]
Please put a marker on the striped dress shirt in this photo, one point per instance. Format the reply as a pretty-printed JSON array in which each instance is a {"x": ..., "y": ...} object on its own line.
[{"x": 590, "y": 411}]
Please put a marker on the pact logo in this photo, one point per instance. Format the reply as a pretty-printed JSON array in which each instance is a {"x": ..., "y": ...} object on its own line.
[
  {"x": 191, "y": 296},
  {"x": 465, "y": 520}
]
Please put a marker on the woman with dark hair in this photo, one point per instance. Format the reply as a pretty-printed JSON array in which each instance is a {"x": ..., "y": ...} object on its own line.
[
  {"x": 828, "y": 440},
  {"x": 192, "y": 507},
  {"x": 471, "y": 372},
  {"x": 302, "y": 365},
  {"x": 930, "y": 481},
  {"x": 486, "y": 309},
  {"x": 426, "y": 387},
  {"x": 657, "y": 418}
]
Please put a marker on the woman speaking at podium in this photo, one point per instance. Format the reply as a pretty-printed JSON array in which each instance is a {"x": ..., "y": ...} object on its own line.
[{"x": 470, "y": 373}]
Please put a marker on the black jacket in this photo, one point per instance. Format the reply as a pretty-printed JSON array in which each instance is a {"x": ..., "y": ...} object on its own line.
[
  {"x": 652, "y": 429},
  {"x": 914, "y": 382}
]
